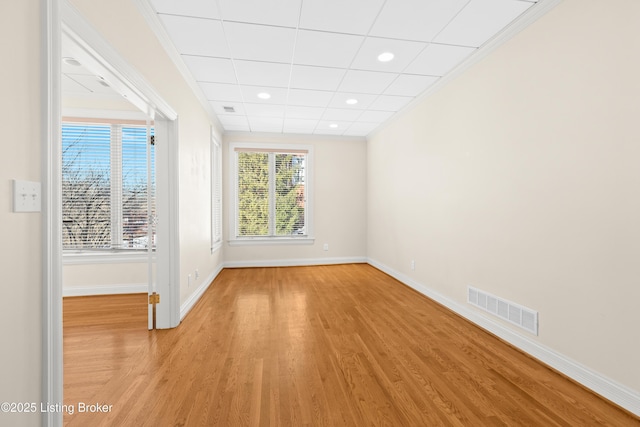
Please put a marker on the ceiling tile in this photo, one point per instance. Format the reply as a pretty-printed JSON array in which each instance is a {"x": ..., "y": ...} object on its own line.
[
  {"x": 404, "y": 52},
  {"x": 278, "y": 94},
  {"x": 339, "y": 100},
  {"x": 318, "y": 78},
  {"x": 415, "y": 19},
  {"x": 300, "y": 125},
  {"x": 480, "y": 20},
  {"x": 229, "y": 120},
  {"x": 195, "y": 36},
  {"x": 264, "y": 110},
  {"x": 299, "y": 112},
  {"x": 73, "y": 69},
  {"x": 366, "y": 81},
  {"x": 263, "y": 73},
  {"x": 360, "y": 129},
  {"x": 265, "y": 124},
  {"x": 201, "y": 8},
  {"x": 390, "y": 102},
  {"x": 439, "y": 59},
  {"x": 221, "y": 92},
  {"x": 410, "y": 85},
  {"x": 218, "y": 107},
  {"x": 260, "y": 42},
  {"x": 309, "y": 98},
  {"x": 375, "y": 116},
  {"x": 92, "y": 83},
  {"x": 352, "y": 17},
  {"x": 341, "y": 114},
  {"x": 325, "y": 127},
  {"x": 207, "y": 69},
  {"x": 71, "y": 86},
  {"x": 326, "y": 49},
  {"x": 283, "y": 13}
]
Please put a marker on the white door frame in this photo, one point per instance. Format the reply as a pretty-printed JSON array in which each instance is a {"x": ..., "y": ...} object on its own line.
[{"x": 59, "y": 16}]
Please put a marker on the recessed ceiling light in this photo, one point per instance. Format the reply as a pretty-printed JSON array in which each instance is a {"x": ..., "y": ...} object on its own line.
[
  {"x": 351, "y": 101},
  {"x": 385, "y": 57},
  {"x": 71, "y": 61},
  {"x": 264, "y": 95},
  {"x": 333, "y": 126}
]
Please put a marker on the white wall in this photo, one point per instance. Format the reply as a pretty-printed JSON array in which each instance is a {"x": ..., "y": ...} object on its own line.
[
  {"x": 339, "y": 203},
  {"x": 20, "y": 256},
  {"x": 103, "y": 278},
  {"x": 521, "y": 178},
  {"x": 123, "y": 26}
]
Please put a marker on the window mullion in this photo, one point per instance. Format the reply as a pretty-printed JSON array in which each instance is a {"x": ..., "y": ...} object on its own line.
[
  {"x": 272, "y": 194},
  {"x": 116, "y": 187}
]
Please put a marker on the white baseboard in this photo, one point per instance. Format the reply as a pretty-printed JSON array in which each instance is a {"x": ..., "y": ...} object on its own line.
[
  {"x": 600, "y": 384},
  {"x": 295, "y": 262},
  {"x": 195, "y": 297},
  {"x": 77, "y": 291}
]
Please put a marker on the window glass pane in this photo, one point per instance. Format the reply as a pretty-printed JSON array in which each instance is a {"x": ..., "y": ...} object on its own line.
[
  {"x": 86, "y": 194},
  {"x": 290, "y": 194},
  {"x": 135, "y": 217},
  {"x": 253, "y": 194}
]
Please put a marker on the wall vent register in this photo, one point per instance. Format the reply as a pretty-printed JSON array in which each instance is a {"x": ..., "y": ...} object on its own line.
[{"x": 514, "y": 313}]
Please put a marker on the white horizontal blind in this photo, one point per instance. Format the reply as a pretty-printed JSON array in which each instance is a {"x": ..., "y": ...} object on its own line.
[
  {"x": 104, "y": 187},
  {"x": 86, "y": 186},
  {"x": 216, "y": 197},
  {"x": 270, "y": 188},
  {"x": 135, "y": 214}
]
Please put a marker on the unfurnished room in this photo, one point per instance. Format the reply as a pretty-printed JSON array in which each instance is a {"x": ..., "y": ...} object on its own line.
[{"x": 320, "y": 212}]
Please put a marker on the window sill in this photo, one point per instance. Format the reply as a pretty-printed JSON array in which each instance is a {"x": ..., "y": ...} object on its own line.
[
  {"x": 264, "y": 241},
  {"x": 79, "y": 258}
]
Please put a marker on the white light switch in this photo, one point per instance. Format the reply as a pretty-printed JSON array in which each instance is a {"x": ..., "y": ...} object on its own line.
[{"x": 26, "y": 196}]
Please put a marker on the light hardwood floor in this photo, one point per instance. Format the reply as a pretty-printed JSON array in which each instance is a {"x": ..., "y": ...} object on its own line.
[{"x": 331, "y": 345}]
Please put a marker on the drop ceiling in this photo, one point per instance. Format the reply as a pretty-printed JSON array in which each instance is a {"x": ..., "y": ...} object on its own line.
[{"x": 313, "y": 58}]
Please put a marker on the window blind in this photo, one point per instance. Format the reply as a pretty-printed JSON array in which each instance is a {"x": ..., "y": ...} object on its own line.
[
  {"x": 105, "y": 187},
  {"x": 216, "y": 196}
]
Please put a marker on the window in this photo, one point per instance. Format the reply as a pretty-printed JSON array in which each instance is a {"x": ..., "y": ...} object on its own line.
[
  {"x": 216, "y": 194},
  {"x": 105, "y": 182},
  {"x": 272, "y": 194}
]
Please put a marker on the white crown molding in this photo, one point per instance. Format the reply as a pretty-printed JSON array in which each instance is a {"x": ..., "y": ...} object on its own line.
[
  {"x": 186, "y": 307},
  {"x": 117, "y": 289},
  {"x": 295, "y": 262},
  {"x": 619, "y": 394},
  {"x": 534, "y": 13},
  {"x": 154, "y": 23}
]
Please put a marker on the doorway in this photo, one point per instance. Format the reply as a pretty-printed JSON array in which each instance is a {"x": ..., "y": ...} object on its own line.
[{"x": 62, "y": 20}]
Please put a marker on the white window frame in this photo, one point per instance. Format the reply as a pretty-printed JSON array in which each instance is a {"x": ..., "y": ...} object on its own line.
[
  {"x": 216, "y": 193},
  {"x": 115, "y": 119},
  {"x": 234, "y": 239}
]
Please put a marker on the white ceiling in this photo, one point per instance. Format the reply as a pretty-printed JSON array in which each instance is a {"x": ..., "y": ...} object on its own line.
[{"x": 311, "y": 56}]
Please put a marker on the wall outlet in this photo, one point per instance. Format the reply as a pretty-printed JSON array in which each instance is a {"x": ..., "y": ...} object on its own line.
[
  {"x": 413, "y": 264},
  {"x": 325, "y": 247},
  {"x": 188, "y": 280},
  {"x": 197, "y": 274}
]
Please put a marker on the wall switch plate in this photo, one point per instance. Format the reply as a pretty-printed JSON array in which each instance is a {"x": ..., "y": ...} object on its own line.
[{"x": 27, "y": 196}]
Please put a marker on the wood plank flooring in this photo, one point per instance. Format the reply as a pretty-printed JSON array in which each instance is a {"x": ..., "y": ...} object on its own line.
[{"x": 338, "y": 345}]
